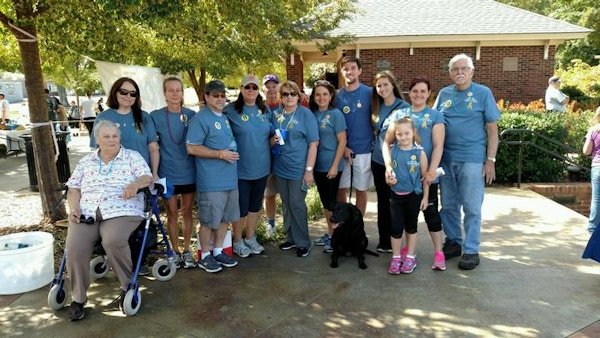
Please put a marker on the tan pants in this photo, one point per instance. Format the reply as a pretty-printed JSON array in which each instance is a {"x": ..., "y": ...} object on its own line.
[{"x": 81, "y": 239}]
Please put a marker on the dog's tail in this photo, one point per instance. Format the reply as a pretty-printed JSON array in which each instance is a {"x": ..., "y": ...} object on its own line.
[{"x": 372, "y": 253}]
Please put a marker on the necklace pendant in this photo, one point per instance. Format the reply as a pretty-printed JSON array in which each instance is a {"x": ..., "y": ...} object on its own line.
[{"x": 183, "y": 118}]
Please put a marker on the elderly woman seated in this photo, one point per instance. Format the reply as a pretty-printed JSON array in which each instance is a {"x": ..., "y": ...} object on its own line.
[{"x": 103, "y": 203}]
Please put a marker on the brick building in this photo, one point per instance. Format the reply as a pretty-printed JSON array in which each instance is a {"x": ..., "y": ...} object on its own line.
[{"x": 513, "y": 49}]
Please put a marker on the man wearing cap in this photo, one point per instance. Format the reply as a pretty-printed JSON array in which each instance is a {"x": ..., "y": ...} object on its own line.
[
  {"x": 211, "y": 141},
  {"x": 270, "y": 83},
  {"x": 555, "y": 99}
]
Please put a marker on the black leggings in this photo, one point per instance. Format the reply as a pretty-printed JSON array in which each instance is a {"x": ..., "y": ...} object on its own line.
[
  {"x": 384, "y": 218},
  {"x": 432, "y": 213},
  {"x": 405, "y": 213}
]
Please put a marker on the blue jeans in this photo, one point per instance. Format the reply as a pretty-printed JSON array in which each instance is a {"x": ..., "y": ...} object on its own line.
[
  {"x": 594, "y": 215},
  {"x": 462, "y": 187}
]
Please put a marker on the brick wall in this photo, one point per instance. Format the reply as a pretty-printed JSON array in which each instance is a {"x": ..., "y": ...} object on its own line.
[
  {"x": 574, "y": 195},
  {"x": 526, "y": 84},
  {"x": 295, "y": 72}
]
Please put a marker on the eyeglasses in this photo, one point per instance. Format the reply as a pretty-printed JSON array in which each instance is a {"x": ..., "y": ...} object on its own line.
[
  {"x": 124, "y": 92},
  {"x": 286, "y": 94},
  {"x": 249, "y": 87},
  {"x": 462, "y": 69},
  {"x": 217, "y": 96},
  {"x": 86, "y": 220}
]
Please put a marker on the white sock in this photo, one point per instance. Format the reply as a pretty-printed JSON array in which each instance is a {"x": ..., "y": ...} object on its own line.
[
  {"x": 411, "y": 257},
  {"x": 205, "y": 254},
  {"x": 217, "y": 251}
]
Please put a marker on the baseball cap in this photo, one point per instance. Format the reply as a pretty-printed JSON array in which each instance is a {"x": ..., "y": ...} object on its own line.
[
  {"x": 250, "y": 78},
  {"x": 270, "y": 77},
  {"x": 554, "y": 79},
  {"x": 214, "y": 86}
]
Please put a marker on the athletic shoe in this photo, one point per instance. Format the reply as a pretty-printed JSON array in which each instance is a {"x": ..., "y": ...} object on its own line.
[
  {"x": 302, "y": 251},
  {"x": 240, "y": 249},
  {"x": 210, "y": 264},
  {"x": 287, "y": 245},
  {"x": 409, "y": 265},
  {"x": 439, "y": 261},
  {"x": 253, "y": 245},
  {"x": 271, "y": 230},
  {"x": 394, "y": 268},
  {"x": 468, "y": 261},
  {"x": 188, "y": 260},
  {"x": 177, "y": 259},
  {"x": 384, "y": 249},
  {"x": 327, "y": 248},
  {"x": 451, "y": 249},
  {"x": 322, "y": 240},
  {"x": 403, "y": 253},
  {"x": 225, "y": 260},
  {"x": 144, "y": 270},
  {"x": 76, "y": 311}
]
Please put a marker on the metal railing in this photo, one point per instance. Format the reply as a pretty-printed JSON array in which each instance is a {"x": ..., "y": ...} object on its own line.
[{"x": 522, "y": 141}]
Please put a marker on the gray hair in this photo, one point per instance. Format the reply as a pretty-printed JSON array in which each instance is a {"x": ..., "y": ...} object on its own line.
[
  {"x": 458, "y": 57},
  {"x": 99, "y": 124}
]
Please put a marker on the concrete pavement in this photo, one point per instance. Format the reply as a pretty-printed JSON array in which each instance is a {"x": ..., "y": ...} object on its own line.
[{"x": 531, "y": 282}]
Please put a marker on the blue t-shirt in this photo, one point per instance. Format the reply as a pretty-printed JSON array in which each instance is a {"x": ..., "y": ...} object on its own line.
[
  {"x": 356, "y": 106},
  {"x": 384, "y": 118},
  {"x": 466, "y": 113},
  {"x": 251, "y": 129},
  {"x": 424, "y": 120},
  {"x": 301, "y": 129},
  {"x": 331, "y": 122},
  {"x": 213, "y": 131},
  {"x": 175, "y": 163},
  {"x": 407, "y": 168},
  {"x": 131, "y": 138}
]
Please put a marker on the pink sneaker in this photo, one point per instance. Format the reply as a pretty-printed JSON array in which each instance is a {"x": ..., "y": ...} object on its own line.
[
  {"x": 409, "y": 265},
  {"x": 394, "y": 268},
  {"x": 439, "y": 261},
  {"x": 403, "y": 253}
]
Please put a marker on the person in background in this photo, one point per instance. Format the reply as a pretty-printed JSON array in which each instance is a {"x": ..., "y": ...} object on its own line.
[
  {"x": 88, "y": 115},
  {"x": 591, "y": 147},
  {"x": 354, "y": 100},
  {"x": 293, "y": 167},
  {"x": 270, "y": 84},
  {"x": 4, "y": 109},
  {"x": 135, "y": 126},
  {"x": 330, "y": 153},
  {"x": 431, "y": 132},
  {"x": 100, "y": 107},
  {"x": 250, "y": 121},
  {"x": 177, "y": 166},
  {"x": 407, "y": 166},
  {"x": 53, "y": 105},
  {"x": 469, "y": 158},
  {"x": 62, "y": 125},
  {"x": 386, "y": 100},
  {"x": 74, "y": 116},
  {"x": 211, "y": 141},
  {"x": 103, "y": 188},
  {"x": 556, "y": 100}
]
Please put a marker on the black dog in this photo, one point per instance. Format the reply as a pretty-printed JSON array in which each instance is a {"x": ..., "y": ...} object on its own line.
[{"x": 349, "y": 235}]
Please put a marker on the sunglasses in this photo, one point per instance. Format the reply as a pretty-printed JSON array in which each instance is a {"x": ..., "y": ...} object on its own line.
[
  {"x": 323, "y": 82},
  {"x": 286, "y": 94},
  {"x": 124, "y": 92},
  {"x": 86, "y": 220},
  {"x": 249, "y": 87},
  {"x": 216, "y": 96}
]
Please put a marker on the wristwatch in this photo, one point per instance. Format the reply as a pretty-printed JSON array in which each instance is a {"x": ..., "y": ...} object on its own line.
[
  {"x": 493, "y": 159},
  {"x": 309, "y": 169}
]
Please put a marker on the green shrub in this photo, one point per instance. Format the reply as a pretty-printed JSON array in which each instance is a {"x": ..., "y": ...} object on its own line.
[{"x": 568, "y": 129}]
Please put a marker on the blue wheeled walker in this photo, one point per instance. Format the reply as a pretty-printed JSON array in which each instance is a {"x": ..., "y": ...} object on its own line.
[{"x": 162, "y": 270}]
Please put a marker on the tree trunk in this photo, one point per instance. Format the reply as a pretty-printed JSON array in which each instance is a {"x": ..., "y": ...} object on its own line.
[
  {"x": 198, "y": 83},
  {"x": 43, "y": 144}
]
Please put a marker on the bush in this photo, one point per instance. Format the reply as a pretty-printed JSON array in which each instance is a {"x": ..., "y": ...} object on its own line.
[{"x": 567, "y": 129}]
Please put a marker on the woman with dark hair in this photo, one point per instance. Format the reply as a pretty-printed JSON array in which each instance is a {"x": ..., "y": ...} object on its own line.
[
  {"x": 431, "y": 131},
  {"x": 177, "y": 166},
  {"x": 135, "y": 125},
  {"x": 386, "y": 99},
  {"x": 250, "y": 120},
  {"x": 330, "y": 153}
]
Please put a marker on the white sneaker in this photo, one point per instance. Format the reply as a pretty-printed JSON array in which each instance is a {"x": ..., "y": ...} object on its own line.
[
  {"x": 188, "y": 260},
  {"x": 240, "y": 249},
  {"x": 253, "y": 245}
]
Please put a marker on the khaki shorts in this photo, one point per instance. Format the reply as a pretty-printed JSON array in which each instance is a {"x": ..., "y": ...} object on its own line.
[
  {"x": 218, "y": 207},
  {"x": 271, "y": 188},
  {"x": 362, "y": 176}
]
